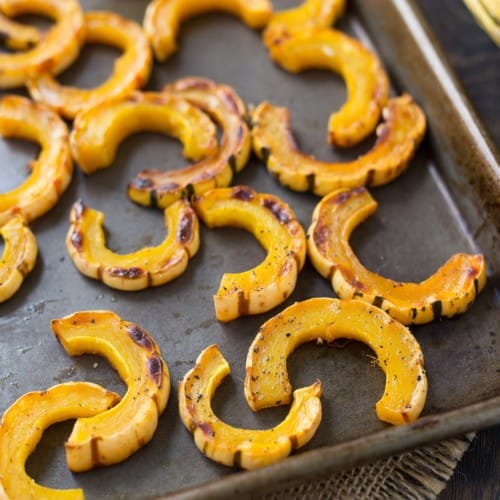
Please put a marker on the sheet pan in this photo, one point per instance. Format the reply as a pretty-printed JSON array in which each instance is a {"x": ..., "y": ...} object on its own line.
[{"x": 438, "y": 207}]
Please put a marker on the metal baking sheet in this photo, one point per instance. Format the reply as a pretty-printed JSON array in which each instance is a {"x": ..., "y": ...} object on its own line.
[{"x": 420, "y": 222}]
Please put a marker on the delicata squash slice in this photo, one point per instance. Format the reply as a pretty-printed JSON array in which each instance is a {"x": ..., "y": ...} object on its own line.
[
  {"x": 159, "y": 188},
  {"x": 17, "y": 36},
  {"x": 398, "y": 138},
  {"x": 22, "y": 426},
  {"x": 449, "y": 291},
  {"x": 164, "y": 17},
  {"x": 53, "y": 52},
  {"x": 99, "y": 130},
  {"x": 366, "y": 81},
  {"x": 275, "y": 227},
  {"x": 131, "y": 70},
  {"x": 150, "y": 266},
  {"x": 113, "y": 435},
  {"x": 245, "y": 448},
  {"x": 19, "y": 256},
  {"x": 398, "y": 353},
  {"x": 51, "y": 172}
]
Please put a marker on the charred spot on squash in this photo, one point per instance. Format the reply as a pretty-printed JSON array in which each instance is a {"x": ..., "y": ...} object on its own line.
[
  {"x": 130, "y": 273},
  {"x": 155, "y": 369},
  {"x": 140, "y": 336},
  {"x": 185, "y": 229}
]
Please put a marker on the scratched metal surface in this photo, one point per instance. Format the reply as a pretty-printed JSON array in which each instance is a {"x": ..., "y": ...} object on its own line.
[{"x": 414, "y": 231}]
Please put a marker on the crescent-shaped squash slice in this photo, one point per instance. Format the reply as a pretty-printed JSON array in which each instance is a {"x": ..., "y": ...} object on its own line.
[
  {"x": 19, "y": 256},
  {"x": 150, "y": 266},
  {"x": 51, "y": 172},
  {"x": 53, "y": 52},
  {"x": 131, "y": 70},
  {"x": 98, "y": 131},
  {"x": 17, "y": 36},
  {"x": 275, "y": 227},
  {"x": 398, "y": 138},
  {"x": 366, "y": 81},
  {"x": 22, "y": 426},
  {"x": 164, "y": 17},
  {"x": 159, "y": 188},
  {"x": 245, "y": 448},
  {"x": 398, "y": 353},
  {"x": 449, "y": 291},
  {"x": 112, "y": 436}
]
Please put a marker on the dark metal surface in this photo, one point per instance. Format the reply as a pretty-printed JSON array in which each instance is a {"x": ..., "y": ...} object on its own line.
[{"x": 416, "y": 228}]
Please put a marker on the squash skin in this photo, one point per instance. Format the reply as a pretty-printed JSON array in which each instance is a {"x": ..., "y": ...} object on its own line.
[
  {"x": 163, "y": 18},
  {"x": 22, "y": 426},
  {"x": 99, "y": 130},
  {"x": 54, "y": 52},
  {"x": 158, "y": 188},
  {"x": 19, "y": 256},
  {"x": 131, "y": 70},
  {"x": 398, "y": 138},
  {"x": 150, "y": 266},
  {"x": 245, "y": 448},
  {"x": 274, "y": 225},
  {"x": 449, "y": 291},
  {"x": 399, "y": 354},
  {"x": 51, "y": 172},
  {"x": 114, "y": 435},
  {"x": 366, "y": 81}
]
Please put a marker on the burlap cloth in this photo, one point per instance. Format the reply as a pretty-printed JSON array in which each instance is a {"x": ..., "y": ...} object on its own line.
[{"x": 418, "y": 474}]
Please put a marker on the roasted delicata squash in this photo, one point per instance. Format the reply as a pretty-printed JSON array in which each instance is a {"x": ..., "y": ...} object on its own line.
[
  {"x": 159, "y": 188},
  {"x": 398, "y": 138},
  {"x": 398, "y": 353},
  {"x": 53, "y": 52},
  {"x": 17, "y": 36},
  {"x": 131, "y": 70},
  {"x": 150, "y": 266},
  {"x": 22, "y": 426},
  {"x": 19, "y": 256},
  {"x": 51, "y": 172},
  {"x": 275, "y": 227},
  {"x": 113, "y": 435},
  {"x": 366, "y": 81},
  {"x": 164, "y": 17},
  {"x": 449, "y": 291},
  {"x": 245, "y": 448},
  {"x": 98, "y": 131}
]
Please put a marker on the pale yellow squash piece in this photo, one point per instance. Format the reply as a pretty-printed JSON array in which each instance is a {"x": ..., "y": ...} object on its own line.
[
  {"x": 19, "y": 256},
  {"x": 398, "y": 353},
  {"x": 449, "y": 291},
  {"x": 130, "y": 72},
  {"x": 153, "y": 187},
  {"x": 112, "y": 436},
  {"x": 275, "y": 227},
  {"x": 232, "y": 446},
  {"x": 149, "y": 266},
  {"x": 51, "y": 172},
  {"x": 53, "y": 52},
  {"x": 22, "y": 426},
  {"x": 398, "y": 138},
  {"x": 17, "y": 36},
  {"x": 163, "y": 18}
]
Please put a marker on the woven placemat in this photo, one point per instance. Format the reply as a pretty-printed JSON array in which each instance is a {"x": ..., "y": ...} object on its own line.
[{"x": 417, "y": 474}]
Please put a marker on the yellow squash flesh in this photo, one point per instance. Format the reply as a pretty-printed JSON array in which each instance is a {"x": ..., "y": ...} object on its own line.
[
  {"x": 98, "y": 131},
  {"x": 131, "y": 70},
  {"x": 53, "y": 52},
  {"x": 398, "y": 353},
  {"x": 449, "y": 291},
  {"x": 159, "y": 188},
  {"x": 398, "y": 138},
  {"x": 22, "y": 426},
  {"x": 113, "y": 435},
  {"x": 366, "y": 81},
  {"x": 19, "y": 256},
  {"x": 275, "y": 227},
  {"x": 149, "y": 266},
  {"x": 164, "y": 17},
  {"x": 51, "y": 172},
  {"x": 245, "y": 448},
  {"x": 18, "y": 36}
]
